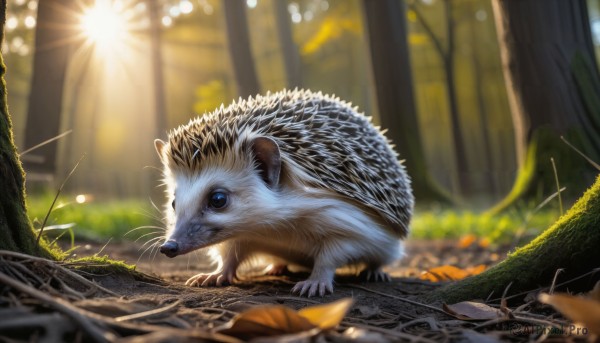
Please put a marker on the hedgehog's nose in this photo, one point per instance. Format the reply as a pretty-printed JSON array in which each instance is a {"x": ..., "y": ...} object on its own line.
[{"x": 169, "y": 248}]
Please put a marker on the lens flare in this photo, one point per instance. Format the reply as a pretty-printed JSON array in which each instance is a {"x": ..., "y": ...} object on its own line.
[{"x": 104, "y": 24}]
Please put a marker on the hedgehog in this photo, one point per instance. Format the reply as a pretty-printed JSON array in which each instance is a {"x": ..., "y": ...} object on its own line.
[{"x": 297, "y": 177}]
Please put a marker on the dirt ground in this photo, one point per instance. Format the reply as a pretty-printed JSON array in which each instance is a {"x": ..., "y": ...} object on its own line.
[
  {"x": 159, "y": 308},
  {"x": 420, "y": 256}
]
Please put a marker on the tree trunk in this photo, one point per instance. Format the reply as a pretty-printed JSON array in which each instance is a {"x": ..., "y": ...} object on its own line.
[
  {"x": 571, "y": 243},
  {"x": 553, "y": 89},
  {"x": 387, "y": 35},
  {"x": 53, "y": 39},
  {"x": 447, "y": 59},
  {"x": 160, "y": 111},
  {"x": 239, "y": 48},
  {"x": 16, "y": 232},
  {"x": 460, "y": 151},
  {"x": 291, "y": 56}
]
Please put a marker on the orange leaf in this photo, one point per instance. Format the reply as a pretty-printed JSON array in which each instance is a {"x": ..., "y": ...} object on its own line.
[
  {"x": 466, "y": 241},
  {"x": 578, "y": 309},
  {"x": 444, "y": 273},
  {"x": 451, "y": 273},
  {"x": 264, "y": 321},
  {"x": 469, "y": 310}
]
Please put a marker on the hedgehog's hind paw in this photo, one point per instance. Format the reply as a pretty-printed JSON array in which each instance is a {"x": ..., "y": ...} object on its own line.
[
  {"x": 375, "y": 275},
  {"x": 212, "y": 279},
  {"x": 313, "y": 287}
]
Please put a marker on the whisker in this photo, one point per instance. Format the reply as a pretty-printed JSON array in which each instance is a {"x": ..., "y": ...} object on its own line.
[
  {"x": 148, "y": 234},
  {"x": 145, "y": 227}
]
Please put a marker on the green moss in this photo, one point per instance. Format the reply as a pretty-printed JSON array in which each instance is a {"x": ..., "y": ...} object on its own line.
[
  {"x": 103, "y": 265},
  {"x": 100, "y": 265},
  {"x": 570, "y": 243}
]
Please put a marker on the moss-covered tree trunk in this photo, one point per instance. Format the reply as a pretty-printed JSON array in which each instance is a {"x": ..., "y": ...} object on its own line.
[
  {"x": 16, "y": 232},
  {"x": 572, "y": 243},
  {"x": 553, "y": 89}
]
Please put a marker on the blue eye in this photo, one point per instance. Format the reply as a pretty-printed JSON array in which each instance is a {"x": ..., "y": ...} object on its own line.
[{"x": 217, "y": 200}]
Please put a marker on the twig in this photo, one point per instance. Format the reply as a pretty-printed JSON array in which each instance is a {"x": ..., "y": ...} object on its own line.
[
  {"x": 148, "y": 313},
  {"x": 558, "y": 271},
  {"x": 560, "y": 204},
  {"x": 399, "y": 298},
  {"x": 45, "y": 142},
  {"x": 37, "y": 242},
  {"x": 581, "y": 153},
  {"x": 591, "y": 272},
  {"x": 427, "y": 320},
  {"x": 62, "y": 269},
  {"x": 60, "y": 305},
  {"x": 394, "y": 333}
]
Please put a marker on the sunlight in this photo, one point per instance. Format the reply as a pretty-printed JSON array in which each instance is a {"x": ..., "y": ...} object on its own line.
[{"x": 104, "y": 23}]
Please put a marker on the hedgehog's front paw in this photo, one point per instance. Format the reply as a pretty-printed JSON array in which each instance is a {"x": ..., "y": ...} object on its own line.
[
  {"x": 212, "y": 279},
  {"x": 313, "y": 287},
  {"x": 375, "y": 275}
]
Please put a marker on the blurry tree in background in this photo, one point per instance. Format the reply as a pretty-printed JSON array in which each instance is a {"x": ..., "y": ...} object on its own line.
[
  {"x": 387, "y": 34},
  {"x": 554, "y": 89},
  {"x": 289, "y": 49},
  {"x": 447, "y": 56},
  {"x": 160, "y": 110},
  {"x": 239, "y": 48},
  {"x": 53, "y": 45}
]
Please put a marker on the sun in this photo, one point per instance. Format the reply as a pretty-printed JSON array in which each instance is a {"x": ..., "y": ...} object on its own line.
[{"x": 104, "y": 23}]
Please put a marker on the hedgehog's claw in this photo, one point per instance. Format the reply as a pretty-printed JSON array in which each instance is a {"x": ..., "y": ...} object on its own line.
[
  {"x": 375, "y": 275},
  {"x": 212, "y": 279},
  {"x": 312, "y": 287}
]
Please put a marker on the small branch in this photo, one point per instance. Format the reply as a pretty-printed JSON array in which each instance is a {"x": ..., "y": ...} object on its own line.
[
  {"x": 54, "y": 201},
  {"x": 399, "y": 298}
]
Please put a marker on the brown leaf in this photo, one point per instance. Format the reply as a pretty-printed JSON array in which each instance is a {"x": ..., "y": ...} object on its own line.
[
  {"x": 327, "y": 316},
  {"x": 264, "y": 321},
  {"x": 450, "y": 273},
  {"x": 469, "y": 310},
  {"x": 578, "y": 309}
]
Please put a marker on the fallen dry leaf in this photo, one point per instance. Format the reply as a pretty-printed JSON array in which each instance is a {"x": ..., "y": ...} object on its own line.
[
  {"x": 327, "y": 316},
  {"x": 451, "y": 273},
  {"x": 470, "y": 310},
  {"x": 278, "y": 320},
  {"x": 264, "y": 321},
  {"x": 580, "y": 310}
]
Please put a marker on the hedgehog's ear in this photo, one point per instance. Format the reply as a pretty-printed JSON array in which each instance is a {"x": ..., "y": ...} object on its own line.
[
  {"x": 159, "y": 145},
  {"x": 268, "y": 158}
]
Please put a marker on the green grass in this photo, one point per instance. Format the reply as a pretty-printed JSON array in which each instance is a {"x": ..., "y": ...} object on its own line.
[
  {"x": 500, "y": 228},
  {"x": 101, "y": 220},
  {"x": 98, "y": 220}
]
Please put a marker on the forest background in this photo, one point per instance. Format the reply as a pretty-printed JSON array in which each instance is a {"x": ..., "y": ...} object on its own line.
[{"x": 115, "y": 74}]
